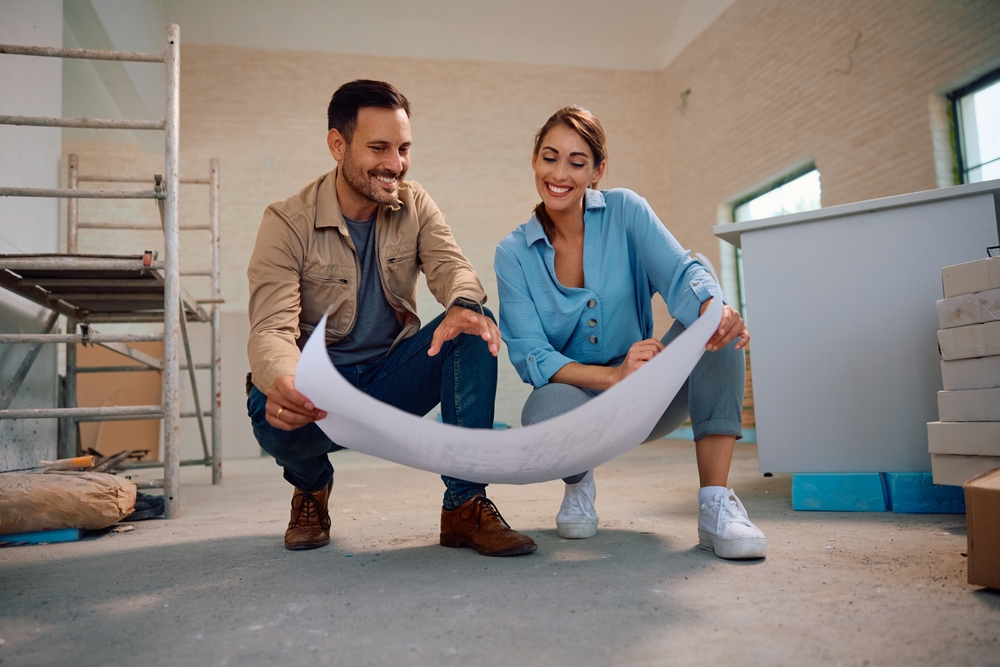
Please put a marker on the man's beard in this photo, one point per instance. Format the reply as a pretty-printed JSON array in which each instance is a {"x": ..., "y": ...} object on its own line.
[{"x": 365, "y": 185}]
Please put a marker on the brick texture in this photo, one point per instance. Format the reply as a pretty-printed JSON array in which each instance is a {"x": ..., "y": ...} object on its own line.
[{"x": 773, "y": 83}]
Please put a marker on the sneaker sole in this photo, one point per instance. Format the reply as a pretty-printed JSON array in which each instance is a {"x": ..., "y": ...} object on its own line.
[
  {"x": 453, "y": 542},
  {"x": 576, "y": 531},
  {"x": 740, "y": 549}
]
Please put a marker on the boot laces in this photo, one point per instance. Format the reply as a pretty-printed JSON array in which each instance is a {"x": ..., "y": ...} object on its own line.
[
  {"x": 309, "y": 512},
  {"x": 482, "y": 506}
]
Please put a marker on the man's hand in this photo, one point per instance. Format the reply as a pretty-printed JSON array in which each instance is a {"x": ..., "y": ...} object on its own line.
[
  {"x": 731, "y": 326},
  {"x": 286, "y": 408},
  {"x": 460, "y": 320},
  {"x": 637, "y": 356}
]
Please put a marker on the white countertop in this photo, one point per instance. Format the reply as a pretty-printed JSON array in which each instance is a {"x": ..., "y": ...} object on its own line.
[{"x": 731, "y": 232}]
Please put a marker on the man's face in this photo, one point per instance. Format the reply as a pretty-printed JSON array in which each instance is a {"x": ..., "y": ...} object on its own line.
[{"x": 376, "y": 160}]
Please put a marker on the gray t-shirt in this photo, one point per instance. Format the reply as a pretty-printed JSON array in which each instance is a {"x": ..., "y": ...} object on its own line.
[{"x": 376, "y": 326}]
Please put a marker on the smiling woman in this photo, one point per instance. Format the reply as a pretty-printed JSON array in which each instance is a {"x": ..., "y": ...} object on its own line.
[{"x": 576, "y": 283}]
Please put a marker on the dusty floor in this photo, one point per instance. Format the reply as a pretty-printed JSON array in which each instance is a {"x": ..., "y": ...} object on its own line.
[{"x": 215, "y": 587}]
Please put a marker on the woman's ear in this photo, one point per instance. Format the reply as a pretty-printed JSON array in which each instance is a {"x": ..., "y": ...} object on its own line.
[{"x": 598, "y": 175}]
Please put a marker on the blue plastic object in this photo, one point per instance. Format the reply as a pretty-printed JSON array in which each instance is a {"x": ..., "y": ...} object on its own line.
[
  {"x": 42, "y": 536},
  {"x": 839, "y": 492},
  {"x": 916, "y": 493}
]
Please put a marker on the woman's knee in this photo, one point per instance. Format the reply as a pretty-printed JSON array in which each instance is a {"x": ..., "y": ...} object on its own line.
[
  {"x": 550, "y": 401},
  {"x": 726, "y": 366}
]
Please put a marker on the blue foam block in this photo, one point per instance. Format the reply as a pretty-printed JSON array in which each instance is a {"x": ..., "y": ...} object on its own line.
[
  {"x": 916, "y": 493},
  {"x": 839, "y": 492},
  {"x": 42, "y": 536}
]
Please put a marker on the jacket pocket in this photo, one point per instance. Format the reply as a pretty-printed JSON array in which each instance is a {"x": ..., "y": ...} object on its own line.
[
  {"x": 331, "y": 287},
  {"x": 402, "y": 270}
]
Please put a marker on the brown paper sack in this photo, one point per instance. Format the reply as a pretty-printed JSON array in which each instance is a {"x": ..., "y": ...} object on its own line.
[{"x": 92, "y": 500}]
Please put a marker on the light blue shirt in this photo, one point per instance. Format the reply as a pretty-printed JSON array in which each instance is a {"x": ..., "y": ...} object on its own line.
[{"x": 628, "y": 255}]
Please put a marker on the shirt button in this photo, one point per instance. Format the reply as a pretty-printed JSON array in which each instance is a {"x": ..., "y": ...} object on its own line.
[
  {"x": 694, "y": 284},
  {"x": 531, "y": 358},
  {"x": 591, "y": 323},
  {"x": 593, "y": 339},
  {"x": 591, "y": 303}
]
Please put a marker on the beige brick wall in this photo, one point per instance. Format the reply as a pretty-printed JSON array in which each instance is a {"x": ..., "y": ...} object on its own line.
[{"x": 770, "y": 88}]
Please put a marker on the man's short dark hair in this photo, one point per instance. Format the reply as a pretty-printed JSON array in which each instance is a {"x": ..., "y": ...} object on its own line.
[{"x": 342, "y": 114}]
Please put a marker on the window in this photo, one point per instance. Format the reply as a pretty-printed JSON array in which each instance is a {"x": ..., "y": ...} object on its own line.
[
  {"x": 976, "y": 112},
  {"x": 800, "y": 191}
]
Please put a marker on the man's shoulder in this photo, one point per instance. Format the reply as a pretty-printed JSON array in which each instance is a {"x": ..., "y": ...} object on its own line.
[
  {"x": 303, "y": 203},
  {"x": 416, "y": 201},
  {"x": 411, "y": 192}
]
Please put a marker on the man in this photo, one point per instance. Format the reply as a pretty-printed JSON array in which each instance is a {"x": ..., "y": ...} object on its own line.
[{"x": 354, "y": 241}]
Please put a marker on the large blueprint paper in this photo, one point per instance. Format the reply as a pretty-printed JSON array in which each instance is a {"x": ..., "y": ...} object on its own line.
[{"x": 596, "y": 432}]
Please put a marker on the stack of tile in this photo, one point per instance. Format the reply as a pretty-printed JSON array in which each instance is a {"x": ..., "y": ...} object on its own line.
[{"x": 966, "y": 442}]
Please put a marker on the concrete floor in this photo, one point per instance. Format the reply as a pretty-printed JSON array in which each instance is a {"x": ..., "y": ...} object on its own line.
[{"x": 215, "y": 587}]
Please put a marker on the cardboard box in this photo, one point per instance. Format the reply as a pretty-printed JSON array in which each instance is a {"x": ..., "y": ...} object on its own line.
[
  {"x": 969, "y": 405},
  {"x": 954, "y": 470},
  {"x": 965, "y": 438},
  {"x": 966, "y": 309},
  {"x": 971, "y": 373},
  {"x": 977, "y": 340},
  {"x": 971, "y": 277},
  {"x": 982, "y": 523},
  {"x": 125, "y": 388}
]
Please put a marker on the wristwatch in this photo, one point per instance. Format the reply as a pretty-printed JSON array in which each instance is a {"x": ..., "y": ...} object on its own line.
[{"x": 462, "y": 302}]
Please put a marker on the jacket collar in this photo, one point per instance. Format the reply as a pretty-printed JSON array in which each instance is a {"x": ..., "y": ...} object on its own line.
[
  {"x": 328, "y": 213},
  {"x": 533, "y": 231}
]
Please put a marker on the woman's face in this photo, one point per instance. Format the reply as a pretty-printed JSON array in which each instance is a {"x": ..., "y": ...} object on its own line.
[{"x": 564, "y": 168}]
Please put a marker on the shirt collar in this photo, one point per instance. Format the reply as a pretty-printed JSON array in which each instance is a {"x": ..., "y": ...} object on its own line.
[
  {"x": 593, "y": 199},
  {"x": 328, "y": 213},
  {"x": 533, "y": 231}
]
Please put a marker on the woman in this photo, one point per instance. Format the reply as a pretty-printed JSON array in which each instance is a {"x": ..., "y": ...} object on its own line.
[{"x": 576, "y": 283}]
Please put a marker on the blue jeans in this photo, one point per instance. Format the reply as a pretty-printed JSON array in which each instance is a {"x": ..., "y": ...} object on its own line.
[
  {"x": 712, "y": 396},
  {"x": 462, "y": 377}
]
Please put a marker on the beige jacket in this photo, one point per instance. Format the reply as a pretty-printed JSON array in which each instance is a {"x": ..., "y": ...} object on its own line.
[{"x": 304, "y": 262}]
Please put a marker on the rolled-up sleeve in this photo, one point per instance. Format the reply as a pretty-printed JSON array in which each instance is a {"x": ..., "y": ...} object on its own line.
[
  {"x": 683, "y": 281},
  {"x": 534, "y": 358}
]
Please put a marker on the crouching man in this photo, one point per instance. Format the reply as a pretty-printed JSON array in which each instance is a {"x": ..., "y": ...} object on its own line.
[{"x": 354, "y": 241}]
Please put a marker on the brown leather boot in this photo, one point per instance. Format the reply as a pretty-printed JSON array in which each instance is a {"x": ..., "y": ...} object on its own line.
[
  {"x": 309, "y": 527},
  {"x": 477, "y": 524}
]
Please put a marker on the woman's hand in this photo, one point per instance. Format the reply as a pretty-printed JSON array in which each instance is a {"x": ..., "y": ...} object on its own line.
[
  {"x": 731, "y": 326},
  {"x": 637, "y": 356}
]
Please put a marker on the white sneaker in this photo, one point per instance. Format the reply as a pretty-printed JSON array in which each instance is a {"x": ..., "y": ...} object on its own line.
[
  {"x": 725, "y": 528},
  {"x": 577, "y": 518}
]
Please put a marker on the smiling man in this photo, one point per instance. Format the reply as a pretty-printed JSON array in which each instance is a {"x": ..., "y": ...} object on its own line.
[{"x": 355, "y": 241}]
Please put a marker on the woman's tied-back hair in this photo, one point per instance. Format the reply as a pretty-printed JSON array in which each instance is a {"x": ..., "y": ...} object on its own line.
[
  {"x": 590, "y": 130},
  {"x": 342, "y": 114}
]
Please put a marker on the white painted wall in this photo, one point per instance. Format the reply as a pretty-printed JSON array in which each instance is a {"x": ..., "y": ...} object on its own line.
[
  {"x": 110, "y": 89},
  {"x": 631, "y": 34},
  {"x": 29, "y": 157}
]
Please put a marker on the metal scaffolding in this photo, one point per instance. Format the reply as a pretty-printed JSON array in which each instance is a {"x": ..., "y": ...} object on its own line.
[{"x": 90, "y": 289}]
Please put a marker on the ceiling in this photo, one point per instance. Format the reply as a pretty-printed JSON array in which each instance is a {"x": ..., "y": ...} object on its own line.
[{"x": 625, "y": 34}]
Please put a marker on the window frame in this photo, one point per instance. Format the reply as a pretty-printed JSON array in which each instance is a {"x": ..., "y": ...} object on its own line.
[
  {"x": 793, "y": 174},
  {"x": 954, "y": 100},
  {"x": 798, "y": 172}
]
